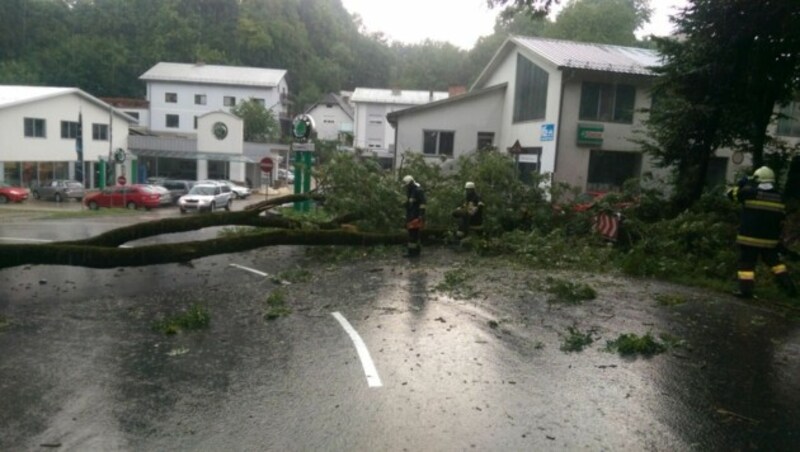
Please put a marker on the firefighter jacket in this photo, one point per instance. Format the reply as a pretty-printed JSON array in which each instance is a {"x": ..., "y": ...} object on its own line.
[
  {"x": 762, "y": 216},
  {"x": 415, "y": 202},
  {"x": 473, "y": 207}
]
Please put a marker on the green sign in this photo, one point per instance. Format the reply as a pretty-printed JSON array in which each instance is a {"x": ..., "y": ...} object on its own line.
[{"x": 590, "y": 134}]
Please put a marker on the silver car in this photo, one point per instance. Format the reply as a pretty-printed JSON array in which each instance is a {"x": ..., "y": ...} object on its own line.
[
  {"x": 206, "y": 197},
  {"x": 59, "y": 190}
]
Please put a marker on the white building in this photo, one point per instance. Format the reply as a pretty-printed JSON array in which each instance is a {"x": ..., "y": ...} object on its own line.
[
  {"x": 40, "y": 129},
  {"x": 179, "y": 93},
  {"x": 333, "y": 118},
  {"x": 371, "y": 130},
  {"x": 568, "y": 108}
]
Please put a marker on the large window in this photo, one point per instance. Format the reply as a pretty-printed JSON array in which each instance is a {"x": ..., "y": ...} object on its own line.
[
  {"x": 100, "y": 132},
  {"x": 173, "y": 121},
  {"x": 69, "y": 129},
  {"x": 229, "y": 101},
  {"x": 530, "y": 92},
  {"x": 607, "y": 102},
  {"x": 789, "y": 124},
  {"x": 35, "y": 127},
  {"x": 171, "y": 98},
  {"x": 200, "y": 99},
  {"x": 608, "y": 170},
  {"x": 437, "y": 142}
]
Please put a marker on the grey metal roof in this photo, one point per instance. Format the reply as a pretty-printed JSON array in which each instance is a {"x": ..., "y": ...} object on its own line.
[
  {"x": 402, "y": 97},
  {"x": 578, "y": 55},
  {"x": 599, "y": 57},
  {"x": 214, "y": 75}
]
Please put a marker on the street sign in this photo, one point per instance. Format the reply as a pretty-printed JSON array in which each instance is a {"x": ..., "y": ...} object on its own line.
[
  {"x": 548, "y": 132},
  {"x": 122, "y": 180},
  {"x": 307, "y": 147},
  {"x": 515, "y": 148},
  {"x": 266, "y": 165}
]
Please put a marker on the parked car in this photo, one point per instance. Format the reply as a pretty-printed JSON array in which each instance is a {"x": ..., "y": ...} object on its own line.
[
  {"x": 164, "y": 193},
  {"x": 285, "y": 174},
  {"x": 206, "y": 197},
  {"x": 240, "y": 190},
  {"x": 177, "y": 188},
  {"x": 59, "y": 190},
  {"x": 9, "y": 193},
  {"x": 131, "y": 196}
]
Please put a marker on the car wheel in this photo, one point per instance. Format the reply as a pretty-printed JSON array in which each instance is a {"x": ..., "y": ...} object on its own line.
[
  {"x": 212, "y": 207},
  {"x": 36, "y": 195},
  {"x": 228, "y": 205},
  {"x": 58, "y": 197},
  {"x": 3, "y": 199},
  {"x": 93, "y": 205},
  {"x": 131, "y": 205}
]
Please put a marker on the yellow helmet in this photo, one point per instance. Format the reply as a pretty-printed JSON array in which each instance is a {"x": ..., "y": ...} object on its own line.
[
  {"x": 408, "y": 179},
  {"x": 764, "y": 175},
  {"x": 469, "y": 185}
]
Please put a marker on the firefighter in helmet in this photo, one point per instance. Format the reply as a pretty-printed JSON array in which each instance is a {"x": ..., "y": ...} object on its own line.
[
  {"x": 415, "y": 215},
  {"x": 760, "y": 228},
  {"x": 470, "y": 213}
]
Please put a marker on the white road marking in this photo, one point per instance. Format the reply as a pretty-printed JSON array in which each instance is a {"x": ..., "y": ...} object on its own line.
[
  {"x": 251, "y": 270},
  {"x": 373, "y": 380}
]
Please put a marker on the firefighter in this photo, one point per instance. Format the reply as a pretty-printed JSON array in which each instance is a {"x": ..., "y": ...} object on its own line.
[
  {"x": 470, "y": 213},
  {"x": 760, "y": 226},
  {"x": 415, "y": 215}
]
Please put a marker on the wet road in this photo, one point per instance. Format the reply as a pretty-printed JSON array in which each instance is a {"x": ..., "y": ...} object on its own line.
[{"x": 82, "y": 368}]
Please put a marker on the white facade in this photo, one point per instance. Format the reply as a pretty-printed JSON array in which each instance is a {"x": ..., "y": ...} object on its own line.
[
  {"x": 179, "y": 93},
  {"x": 331, "y": 118},
  {"x": 550, "y": 142},
  {"x": 372, "y": 131},
  {"x": 50, "y": 154}
]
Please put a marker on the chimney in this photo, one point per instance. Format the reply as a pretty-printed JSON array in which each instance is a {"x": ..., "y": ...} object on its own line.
[{"x": 457, "y": 90}]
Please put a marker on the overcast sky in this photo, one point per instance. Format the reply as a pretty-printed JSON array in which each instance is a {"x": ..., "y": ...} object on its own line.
[{"x": 460, "y": 22}]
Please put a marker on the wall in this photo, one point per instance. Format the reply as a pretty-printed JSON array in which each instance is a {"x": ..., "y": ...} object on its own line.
[
  {"x": 186, "y": 109},
  {"x": 336, "y": 117},
  {"x": 465, "y": 117}
]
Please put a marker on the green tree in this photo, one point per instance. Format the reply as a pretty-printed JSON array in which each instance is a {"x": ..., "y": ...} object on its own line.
[
  {"x": 533, "y": 8},
  {"x": 259, "y": 123},
  {"x": 600, "y": 21}
]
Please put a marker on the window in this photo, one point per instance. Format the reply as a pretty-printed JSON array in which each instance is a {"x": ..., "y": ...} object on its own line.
[
  {"x": 35, "y": 127},
  {"x": 69, "y": 129},
  {"x": 530, "y": 92},
  {"x": 260, "y": 102},
  {"x": 607, "y": 102},
  {"x": 173, "y": 121},
  {"x": 529, "y": 164},
  {"x": 195, "y": 123},
  {"x": 100, "y": 132},
  {"x": 375, "y": 119},
  {"x": 171, "y": 98},
  {"x": 485, "y": 140},
  {"x": 608, "y": 170},
  {"x": 229, "y": 101},
  {"x": 435, "y": 142},
  {"x": 199, "y": 99},
  {"x": 789, "y": 124}
]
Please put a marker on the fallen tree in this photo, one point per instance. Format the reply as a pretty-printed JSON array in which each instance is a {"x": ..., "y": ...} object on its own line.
[{"x": 103, "y": 251}]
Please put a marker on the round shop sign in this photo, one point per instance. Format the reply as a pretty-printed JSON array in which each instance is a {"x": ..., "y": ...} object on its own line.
[
  {"x": 220, "y": 130},
  {"x": 302, "y": 125}
]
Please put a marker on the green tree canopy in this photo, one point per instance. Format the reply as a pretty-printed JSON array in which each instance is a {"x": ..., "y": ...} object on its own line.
[{"x": 260, "y": 125}]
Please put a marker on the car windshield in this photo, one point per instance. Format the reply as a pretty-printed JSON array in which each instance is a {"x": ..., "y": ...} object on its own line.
[{"x": 202, "y": 190}]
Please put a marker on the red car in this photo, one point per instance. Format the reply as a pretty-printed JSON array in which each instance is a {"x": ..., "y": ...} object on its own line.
[
  {"x": 130, "y": 196},
  {"x": 9, "y": 193}
]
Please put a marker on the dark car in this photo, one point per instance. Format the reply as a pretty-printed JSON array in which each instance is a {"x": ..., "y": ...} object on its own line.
[
  {"x": 177, "y": 188},
  {"x": 131, "y": 196},
  {"x": 59, "y": 190},
  {"x": 10, "y": 193}
]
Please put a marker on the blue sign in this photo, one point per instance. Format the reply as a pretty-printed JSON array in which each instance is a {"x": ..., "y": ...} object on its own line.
[{"x": 548, "y": 132}]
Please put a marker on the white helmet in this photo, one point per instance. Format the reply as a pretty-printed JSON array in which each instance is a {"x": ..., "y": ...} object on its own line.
[
  {"x": 469, "y": 185},
  {"x": 407, "y": 180}
]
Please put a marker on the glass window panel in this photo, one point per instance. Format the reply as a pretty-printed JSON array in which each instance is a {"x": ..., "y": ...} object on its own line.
[
  {"x": 623, "y": 105},
  {"x": 446, "y": 141},
  {"x": 429, "y": 139},
  {"x": 530, "y": 93}
]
